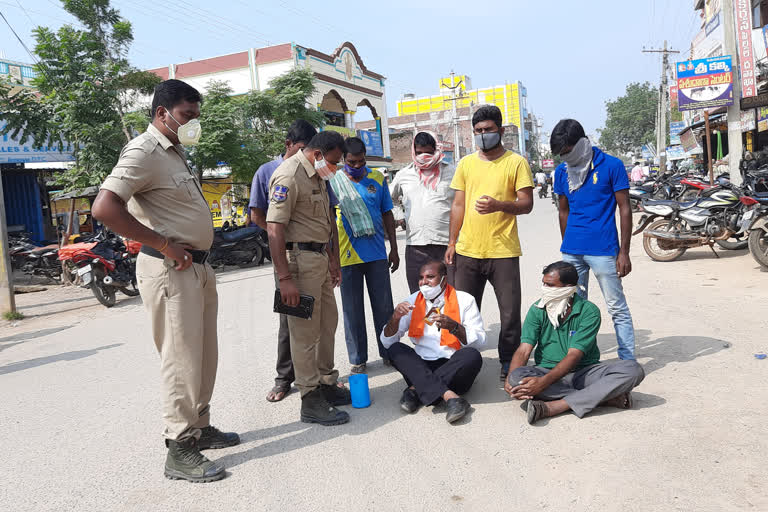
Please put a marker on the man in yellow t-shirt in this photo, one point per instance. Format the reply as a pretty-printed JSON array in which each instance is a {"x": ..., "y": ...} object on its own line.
[{"x": 492, "y": 186}]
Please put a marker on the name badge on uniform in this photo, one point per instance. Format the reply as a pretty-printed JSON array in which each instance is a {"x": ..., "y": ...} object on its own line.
[{"x": 279, "y": 194}]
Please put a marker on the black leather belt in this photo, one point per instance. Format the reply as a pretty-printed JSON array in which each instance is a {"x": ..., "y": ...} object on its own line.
[
  {"x": 305, "y": 246},
  {"x": 199, "y": 257}
]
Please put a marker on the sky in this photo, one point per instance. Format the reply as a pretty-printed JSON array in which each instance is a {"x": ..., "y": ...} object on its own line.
[{"x": 571, "y": 56}]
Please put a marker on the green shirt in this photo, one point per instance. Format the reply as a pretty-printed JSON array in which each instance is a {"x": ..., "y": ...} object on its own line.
[{"x": 579, "y": 331}]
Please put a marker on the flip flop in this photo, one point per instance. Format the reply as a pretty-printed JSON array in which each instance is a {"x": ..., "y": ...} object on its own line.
[{"x": 274, "y": 394}]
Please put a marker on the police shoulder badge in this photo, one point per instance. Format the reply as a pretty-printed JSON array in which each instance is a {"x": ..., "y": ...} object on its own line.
[{"x": 279, "y": 194}]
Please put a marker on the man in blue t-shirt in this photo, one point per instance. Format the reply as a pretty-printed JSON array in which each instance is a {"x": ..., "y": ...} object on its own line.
[
  {"x": 591, "y": 184},
  {"x": 364, "y": 256}
]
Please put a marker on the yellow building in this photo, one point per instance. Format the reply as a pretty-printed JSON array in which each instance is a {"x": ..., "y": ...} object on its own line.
[{"x": 512, "y": 99}]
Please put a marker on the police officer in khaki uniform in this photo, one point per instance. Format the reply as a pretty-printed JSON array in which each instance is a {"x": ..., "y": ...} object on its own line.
[
  {"x": 300, "y": 227},
  {"x": 152, "y": 196}
]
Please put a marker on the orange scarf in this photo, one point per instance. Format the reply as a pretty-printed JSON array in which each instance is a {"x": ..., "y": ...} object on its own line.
[{"x": 451, "y": 310}]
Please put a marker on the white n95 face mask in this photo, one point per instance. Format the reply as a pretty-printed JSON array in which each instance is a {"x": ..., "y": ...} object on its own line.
[
  {"x": 431, "y": 292},
  {"x": 188, "y": 133}
]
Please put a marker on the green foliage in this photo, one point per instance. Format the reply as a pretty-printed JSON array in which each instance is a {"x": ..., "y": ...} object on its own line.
[
  {"x": 13, "y": 315},
  {"x": 86, "y": 87},
  {"x": 247, "y": 131},
  {"x": 630, "y": 119}
]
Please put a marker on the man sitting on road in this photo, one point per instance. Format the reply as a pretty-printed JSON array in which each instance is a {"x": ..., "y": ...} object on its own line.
[
  {"x": 441, "y": 322},
  {"x": 568, "y": 374}
]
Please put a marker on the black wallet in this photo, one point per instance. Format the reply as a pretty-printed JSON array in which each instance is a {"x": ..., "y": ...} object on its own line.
[{"x": 303, "y": 310}]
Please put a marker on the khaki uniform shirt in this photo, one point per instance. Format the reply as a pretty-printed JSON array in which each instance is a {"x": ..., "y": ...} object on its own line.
[
  {"x": 161, "y": 191},
  {"x": 298, "y": 199}
]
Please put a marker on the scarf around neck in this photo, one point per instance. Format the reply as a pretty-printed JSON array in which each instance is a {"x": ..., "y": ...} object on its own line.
[
  {"x": 428, "y": 166},
  {"x": 450, "y": 309},
  {"x": 578, "y": 163},
  {"x": 556, "y": 301}
]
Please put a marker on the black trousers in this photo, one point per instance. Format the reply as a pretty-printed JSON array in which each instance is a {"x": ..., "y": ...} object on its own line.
[
  {"x": 431, "y": 379},
  {"x": 504, "y": 276},
  {"x": 418, "y": 255},
  {"x": 284, "y": 366}
]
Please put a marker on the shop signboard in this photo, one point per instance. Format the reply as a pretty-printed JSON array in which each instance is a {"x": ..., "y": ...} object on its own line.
[
  {"x": 372, "y": 141},
  {"x": 676, "y": 153},
  {"x": 647, "y": 151},
  {"x": 746, "y": 122},
  {"x": 675, "y": 127},
  {"x": 762, "y": 119},
  {"x": 548, "y": 163},
  {"x": 743, "y": 20},
  {"x": 688, "y": 141},
  {"x": 705, "y": 83},
  {"x": 13, "y": 151}
]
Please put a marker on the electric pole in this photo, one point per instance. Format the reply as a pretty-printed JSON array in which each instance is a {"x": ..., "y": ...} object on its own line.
[
  {"x": 735, "y": 148},
  {"x": 453, "y": 99},
  {"x": 7, "y": 301},
  {"x": 661, "y": 129}
]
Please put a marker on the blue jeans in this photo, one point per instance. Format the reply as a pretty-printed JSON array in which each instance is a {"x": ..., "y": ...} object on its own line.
[
  {"x": 376, "y": 274},
  {"x": 604, "y": 268}
]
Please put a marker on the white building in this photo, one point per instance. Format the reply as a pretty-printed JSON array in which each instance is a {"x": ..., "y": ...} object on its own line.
[{"x": 343, "y": 84}]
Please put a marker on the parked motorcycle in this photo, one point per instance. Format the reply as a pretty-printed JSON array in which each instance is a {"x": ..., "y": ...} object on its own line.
[
  {"x": 755, "y": 222},
  {"x": 244, "y": 247},
  {"x": 673, "y": 227},
  {"x": 34, "y": 260},
  {"x": 105, "y": 266}
]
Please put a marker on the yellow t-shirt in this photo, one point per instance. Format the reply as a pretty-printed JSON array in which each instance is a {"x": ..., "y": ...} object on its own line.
[{"x": 493, "y": 235}]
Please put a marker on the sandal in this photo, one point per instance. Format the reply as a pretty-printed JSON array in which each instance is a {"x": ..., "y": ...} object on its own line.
[
  {"x": 277, "y": 393},
  {"x": 358, "y": 368},
  {"x": 536, "y": 410}
]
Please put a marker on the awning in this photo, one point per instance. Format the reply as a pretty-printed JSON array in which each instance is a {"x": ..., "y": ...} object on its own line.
[{"x": 84, "y": 192}]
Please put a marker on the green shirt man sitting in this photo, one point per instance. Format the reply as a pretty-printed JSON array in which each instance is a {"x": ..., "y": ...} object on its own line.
[{"x": 568, "y": 375}]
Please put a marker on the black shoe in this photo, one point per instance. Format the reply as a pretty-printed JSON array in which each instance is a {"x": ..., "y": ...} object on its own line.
[
  {"x": 335, "y": 395},
  {"x": 185, "y": 462},
  {"x": 212, "y": 438},
  {"x": 316, "y": 409},
  {"x": 457, "y": 408},
  {"x": 504, "y": 371},
  {"x": 410, "y": 402}
]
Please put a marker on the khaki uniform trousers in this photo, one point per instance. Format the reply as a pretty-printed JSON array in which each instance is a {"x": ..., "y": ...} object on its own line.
[
  {"x": 313, "y": 340},
  {"x": 182, "y": 307}
]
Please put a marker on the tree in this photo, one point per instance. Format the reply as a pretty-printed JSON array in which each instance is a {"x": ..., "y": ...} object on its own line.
[
  {"x": 87, "y": 92},
  {"x": 630, "y": 119},
  {"x": 227, "y": 137},
  {"x": 244, "y": 132}
]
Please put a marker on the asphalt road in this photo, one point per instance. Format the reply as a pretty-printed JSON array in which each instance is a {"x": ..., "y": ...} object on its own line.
[{"x": 81, "y": 419}]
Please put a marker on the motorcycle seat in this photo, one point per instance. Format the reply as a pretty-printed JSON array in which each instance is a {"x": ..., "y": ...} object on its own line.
[{"x": 239, "y": 234}]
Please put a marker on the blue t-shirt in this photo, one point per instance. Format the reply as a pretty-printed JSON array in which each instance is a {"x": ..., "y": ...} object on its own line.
[
  {"x": 260, "y": 186},
  {"x": 353, "y": 250},
  {"x": 591, "y": 228}
]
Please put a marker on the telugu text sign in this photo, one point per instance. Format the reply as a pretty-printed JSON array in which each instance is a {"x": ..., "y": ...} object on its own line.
[
  {"x": 743, "y": 21},
  {"x": 704, "y": 83}
]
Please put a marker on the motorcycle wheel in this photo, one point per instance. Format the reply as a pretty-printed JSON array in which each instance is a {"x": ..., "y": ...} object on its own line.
[
  {"x": 732, "y": 244},
  {"x": 661, "y": 250},
  {"x": 256, "y": 260},
  {"x": 758, "y": 246},
  {"x": 103, "y": 293}
]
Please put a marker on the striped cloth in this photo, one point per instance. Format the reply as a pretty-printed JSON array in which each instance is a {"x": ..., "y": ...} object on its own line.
[{"x": 352, "y": 205}]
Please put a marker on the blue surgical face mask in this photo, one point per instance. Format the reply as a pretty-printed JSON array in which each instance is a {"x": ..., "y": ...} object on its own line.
[
  {"x": 356, "y": 172},
  {"x": 487, "y": 141}
]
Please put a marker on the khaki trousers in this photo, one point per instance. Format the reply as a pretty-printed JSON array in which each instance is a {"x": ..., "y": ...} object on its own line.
[
  {"x": 182, "y": 308},
  {"x": 313, "y": 340}
]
